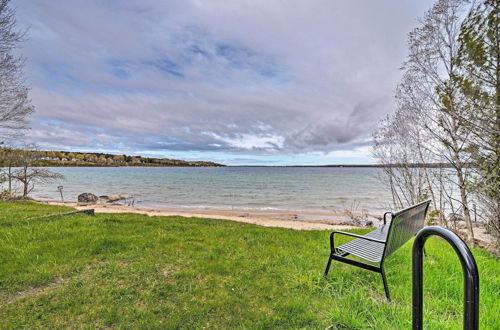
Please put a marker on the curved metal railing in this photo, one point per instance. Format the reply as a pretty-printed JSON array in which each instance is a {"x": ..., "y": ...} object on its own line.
[{"x": 469, "y": 267}]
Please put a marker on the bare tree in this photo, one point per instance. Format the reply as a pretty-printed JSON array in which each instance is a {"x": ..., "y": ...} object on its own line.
[
  {"x": 29, "y": 176},
  {"x": 8, "y": 160},
  {"x": 432, "y": 62},
  {"x": 395, "y": 150},
  {"x": 15, "y": 106},
  {"x": 411, "y": 100}
]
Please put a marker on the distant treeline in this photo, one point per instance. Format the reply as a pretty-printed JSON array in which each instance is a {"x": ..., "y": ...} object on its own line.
[
  {"x": 66, "y": 158},
  {"x": 413, "y": 165}
]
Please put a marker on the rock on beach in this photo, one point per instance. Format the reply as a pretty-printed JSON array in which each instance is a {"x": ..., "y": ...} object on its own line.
[{"x": 87, "y": 198}]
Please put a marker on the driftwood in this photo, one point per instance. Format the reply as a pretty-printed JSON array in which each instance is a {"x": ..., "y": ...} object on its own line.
[{"x": 89, "y": 212}]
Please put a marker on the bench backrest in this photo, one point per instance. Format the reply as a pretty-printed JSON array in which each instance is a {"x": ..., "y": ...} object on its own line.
[{"x": 404, "y": 225}]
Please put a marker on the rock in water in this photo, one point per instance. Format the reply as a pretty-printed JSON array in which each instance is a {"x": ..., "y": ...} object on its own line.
[
  {"x": 87, "y": 198},
  {"x": 103, "y": 199},
  {"x": 119, "y": 197}
]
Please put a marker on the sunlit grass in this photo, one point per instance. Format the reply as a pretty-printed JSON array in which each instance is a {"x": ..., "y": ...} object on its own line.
[{"x": 129, "y": 271}]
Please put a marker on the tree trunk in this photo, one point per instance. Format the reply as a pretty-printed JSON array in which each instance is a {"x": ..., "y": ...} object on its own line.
[
  {"x": 497, "y": 122},
  {"x": 465, "y": 206},
  {"x": 25, "y": 182},
  {"x": 10, "y": 179},
  {"x": 459, "y": 167},
  {"x": 428, "y": 181}
]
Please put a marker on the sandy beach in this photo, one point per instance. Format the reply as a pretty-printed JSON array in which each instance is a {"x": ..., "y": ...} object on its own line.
[{"x": 302, "y": 220}]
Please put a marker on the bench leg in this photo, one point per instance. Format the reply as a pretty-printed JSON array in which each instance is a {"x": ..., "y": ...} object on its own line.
[
  {"x": 328, "y": 265},
  {"x": 386, "y": 287}
]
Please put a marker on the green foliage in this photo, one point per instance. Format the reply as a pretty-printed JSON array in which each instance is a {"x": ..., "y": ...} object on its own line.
[
  {"x": 479, "y": 60},
  {"x": 135, "y": 271},
  {"x": 433, "y": 217},
  {"x": 63, "y": 158},
  {"x": 5, "y": 194}
]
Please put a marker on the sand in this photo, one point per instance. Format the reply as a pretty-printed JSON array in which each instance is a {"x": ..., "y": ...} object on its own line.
[{"x": 282, "y": 219}]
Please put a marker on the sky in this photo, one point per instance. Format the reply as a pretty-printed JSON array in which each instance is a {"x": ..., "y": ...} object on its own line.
[{"x": 257, "y": 82}]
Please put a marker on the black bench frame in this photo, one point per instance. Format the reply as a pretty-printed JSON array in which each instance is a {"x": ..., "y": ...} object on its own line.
[{"x": 377, "y": 245}]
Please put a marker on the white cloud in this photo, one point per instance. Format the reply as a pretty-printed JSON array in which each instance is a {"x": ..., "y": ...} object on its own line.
[{"x": 252, "y": 142}]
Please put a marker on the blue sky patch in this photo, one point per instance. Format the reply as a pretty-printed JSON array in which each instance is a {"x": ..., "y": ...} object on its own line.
[
  {"x": 120, "y": 69},
  {"x": 166, "y": 66},
  {"x": 244, "y": 59}
]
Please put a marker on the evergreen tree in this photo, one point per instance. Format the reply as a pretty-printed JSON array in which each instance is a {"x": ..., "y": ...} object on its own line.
[{"x": 479, "y": 59}]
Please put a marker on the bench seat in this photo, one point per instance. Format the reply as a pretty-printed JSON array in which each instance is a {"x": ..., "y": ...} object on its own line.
[{"x": 371, "y": 251}]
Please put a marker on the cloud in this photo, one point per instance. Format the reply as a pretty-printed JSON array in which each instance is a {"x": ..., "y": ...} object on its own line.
[{"x": 246, "y": 78}]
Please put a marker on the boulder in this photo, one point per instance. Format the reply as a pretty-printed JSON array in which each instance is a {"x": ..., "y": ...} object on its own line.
[{"x": 87, "y": 198}]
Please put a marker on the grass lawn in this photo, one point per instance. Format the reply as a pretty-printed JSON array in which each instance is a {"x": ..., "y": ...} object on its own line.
[{"x": 130, "y": 271}]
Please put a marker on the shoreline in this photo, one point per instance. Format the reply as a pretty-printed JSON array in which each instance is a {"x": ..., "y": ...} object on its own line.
[{"x": 266, "y": 218}]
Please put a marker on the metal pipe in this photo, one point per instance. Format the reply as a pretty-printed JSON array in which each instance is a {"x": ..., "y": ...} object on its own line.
[
  {"x": 469, "y": 268},
  {"x": 60, "y": 188}
]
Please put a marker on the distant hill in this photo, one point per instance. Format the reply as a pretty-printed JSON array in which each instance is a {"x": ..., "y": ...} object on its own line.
[{"x": 97, "y": 159}]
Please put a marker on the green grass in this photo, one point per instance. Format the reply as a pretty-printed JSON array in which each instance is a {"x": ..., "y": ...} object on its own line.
[{"x": 134, "y": 271}]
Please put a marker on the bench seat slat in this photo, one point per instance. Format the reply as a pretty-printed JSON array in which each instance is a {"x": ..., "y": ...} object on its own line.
[
  {"x": 371, "y": 251},
  {"x": 379, "y": 233}
]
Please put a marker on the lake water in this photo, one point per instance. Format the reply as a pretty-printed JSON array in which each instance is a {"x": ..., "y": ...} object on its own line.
[{"x": 262, "y": 188}]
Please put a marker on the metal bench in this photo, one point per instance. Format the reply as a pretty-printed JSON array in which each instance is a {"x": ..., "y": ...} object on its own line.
[{"x": 377, "y": 245}]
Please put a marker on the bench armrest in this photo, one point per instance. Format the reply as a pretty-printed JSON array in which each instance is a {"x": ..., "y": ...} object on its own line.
[
  {"x": 332, "y": 245},
  {"x": 385, "y": 215},
  {"x": 358, "y": 236}
]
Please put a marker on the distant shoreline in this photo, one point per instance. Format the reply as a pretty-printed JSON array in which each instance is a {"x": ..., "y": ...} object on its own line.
[
  {"x": 277, "y": 166},
  {"x": 437, "y": 165},
  {"x": 118, "y": 165},
  {"x": 51, "y": 158}
]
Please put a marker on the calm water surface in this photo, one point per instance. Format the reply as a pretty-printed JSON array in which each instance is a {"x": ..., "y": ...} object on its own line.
[{"x": 280, "y": 188}]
